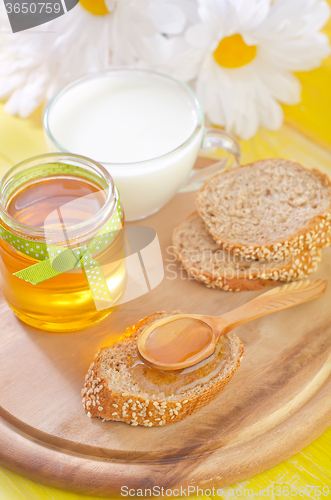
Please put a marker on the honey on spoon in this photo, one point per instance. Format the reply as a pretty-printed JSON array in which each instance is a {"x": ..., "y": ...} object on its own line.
[{"x": 183, "y": 340}]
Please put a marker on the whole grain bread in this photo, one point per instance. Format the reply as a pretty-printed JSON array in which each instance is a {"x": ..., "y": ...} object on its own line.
[
  {"x": 267, "y": 209},
  {"x": 205, "y": 261},
  {"x": 118, "y": 386}
]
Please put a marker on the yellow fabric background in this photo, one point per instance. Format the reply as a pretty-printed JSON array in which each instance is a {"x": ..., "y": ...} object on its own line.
[{"x": 306, "y": 137}]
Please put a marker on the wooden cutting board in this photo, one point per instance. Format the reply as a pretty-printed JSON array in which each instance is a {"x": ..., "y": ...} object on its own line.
[{"x": 277, "y": 403}]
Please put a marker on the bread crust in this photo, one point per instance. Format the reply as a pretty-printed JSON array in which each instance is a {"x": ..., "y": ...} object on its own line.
[
  {"x": 251, "y": 279},
  {"x": 102, "y": 400},
  {"x": 316, "y": 235}
]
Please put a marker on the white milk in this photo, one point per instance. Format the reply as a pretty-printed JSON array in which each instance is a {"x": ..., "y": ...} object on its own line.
[{"x": 130, "y": 121}]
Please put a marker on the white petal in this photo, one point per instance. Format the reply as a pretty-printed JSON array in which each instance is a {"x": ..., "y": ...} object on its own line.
[
  {"x": 173, "y": 56},
  {"x": 283, "y": 86},
  {"x": 271, "y": 115},
  {"x": 110, "y": 4},
  {"x": 189, "y": 68},
  {"x": 189, "y": 9},
  {"x": 226, "y": 101},
  {"x": 238, "y": 99},
  {"x": 247, "y": 122},
  {"x": 199, "y": 36},
  {"x": 298, "y": 55},
  {"x": 12, "y": 105},
  {"x": 294, "y": 18},
  {"x": 251, "y": 13},
  {"x": 213, "y": 8},
  {"x": 10, "y": 83},
  {"x": 168, "y": 19},
  {"x": 315, "y": 18},
  {"x": 31, "y": 97}
]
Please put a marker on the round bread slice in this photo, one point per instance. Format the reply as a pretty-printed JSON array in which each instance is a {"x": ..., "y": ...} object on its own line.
[
  {"x": 205, "y": 261},
  {"x": 119, "y": 386},
  {"x": 267, "y": 209}
]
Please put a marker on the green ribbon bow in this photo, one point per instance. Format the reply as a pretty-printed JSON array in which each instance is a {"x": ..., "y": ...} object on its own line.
[{"x": 55, "y": 260}]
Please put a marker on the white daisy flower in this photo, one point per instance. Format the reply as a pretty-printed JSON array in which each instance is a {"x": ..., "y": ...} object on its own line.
[
  {"x": 242, "y": 53},
  {"x": 36, "y": 63}
]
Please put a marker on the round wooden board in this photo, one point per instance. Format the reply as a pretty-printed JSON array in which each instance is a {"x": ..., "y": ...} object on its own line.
[{"x": 277, "y": 403}]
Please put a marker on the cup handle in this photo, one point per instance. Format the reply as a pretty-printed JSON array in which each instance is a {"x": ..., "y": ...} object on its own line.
[{"x": 215, "y": 137}]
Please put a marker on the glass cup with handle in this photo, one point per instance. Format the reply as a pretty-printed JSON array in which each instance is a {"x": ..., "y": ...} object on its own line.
[{"x": 146, "y": 128}]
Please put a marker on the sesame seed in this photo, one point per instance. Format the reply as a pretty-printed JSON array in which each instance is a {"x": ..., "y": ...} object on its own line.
[{"x": 100, "y": 408}]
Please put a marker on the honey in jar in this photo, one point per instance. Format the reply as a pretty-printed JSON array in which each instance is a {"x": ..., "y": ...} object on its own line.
[{"x": 33, "y": 194}]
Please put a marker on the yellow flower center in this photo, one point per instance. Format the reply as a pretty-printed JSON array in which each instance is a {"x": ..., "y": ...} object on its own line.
[
  {"x": 96, "y": 7},
  {"x": 233, "y": 52}
]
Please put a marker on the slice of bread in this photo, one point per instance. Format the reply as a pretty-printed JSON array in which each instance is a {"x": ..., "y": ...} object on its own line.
[
  {"x": 119, "y": 386},
  {"x": 205, "y": 261},
  {"x": 267, "y": 209}
]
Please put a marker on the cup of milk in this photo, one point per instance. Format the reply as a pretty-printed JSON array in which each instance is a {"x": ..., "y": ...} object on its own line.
[{"x": 146, "y": 128}]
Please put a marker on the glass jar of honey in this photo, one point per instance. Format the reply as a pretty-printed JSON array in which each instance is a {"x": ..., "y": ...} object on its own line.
[{"x": 61, "y": 204}]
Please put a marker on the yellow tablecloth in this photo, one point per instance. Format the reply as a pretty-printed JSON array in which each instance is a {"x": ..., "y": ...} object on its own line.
[{"x": 305, "y": 137}]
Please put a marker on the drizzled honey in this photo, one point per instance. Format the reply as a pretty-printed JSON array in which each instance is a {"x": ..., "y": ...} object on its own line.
[
  {"x": 65, "y": 302},
  {"x": 167, "y": 383}
]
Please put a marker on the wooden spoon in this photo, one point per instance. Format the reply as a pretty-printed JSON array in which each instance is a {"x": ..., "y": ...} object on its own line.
[{"x": 183, "y": 340}]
